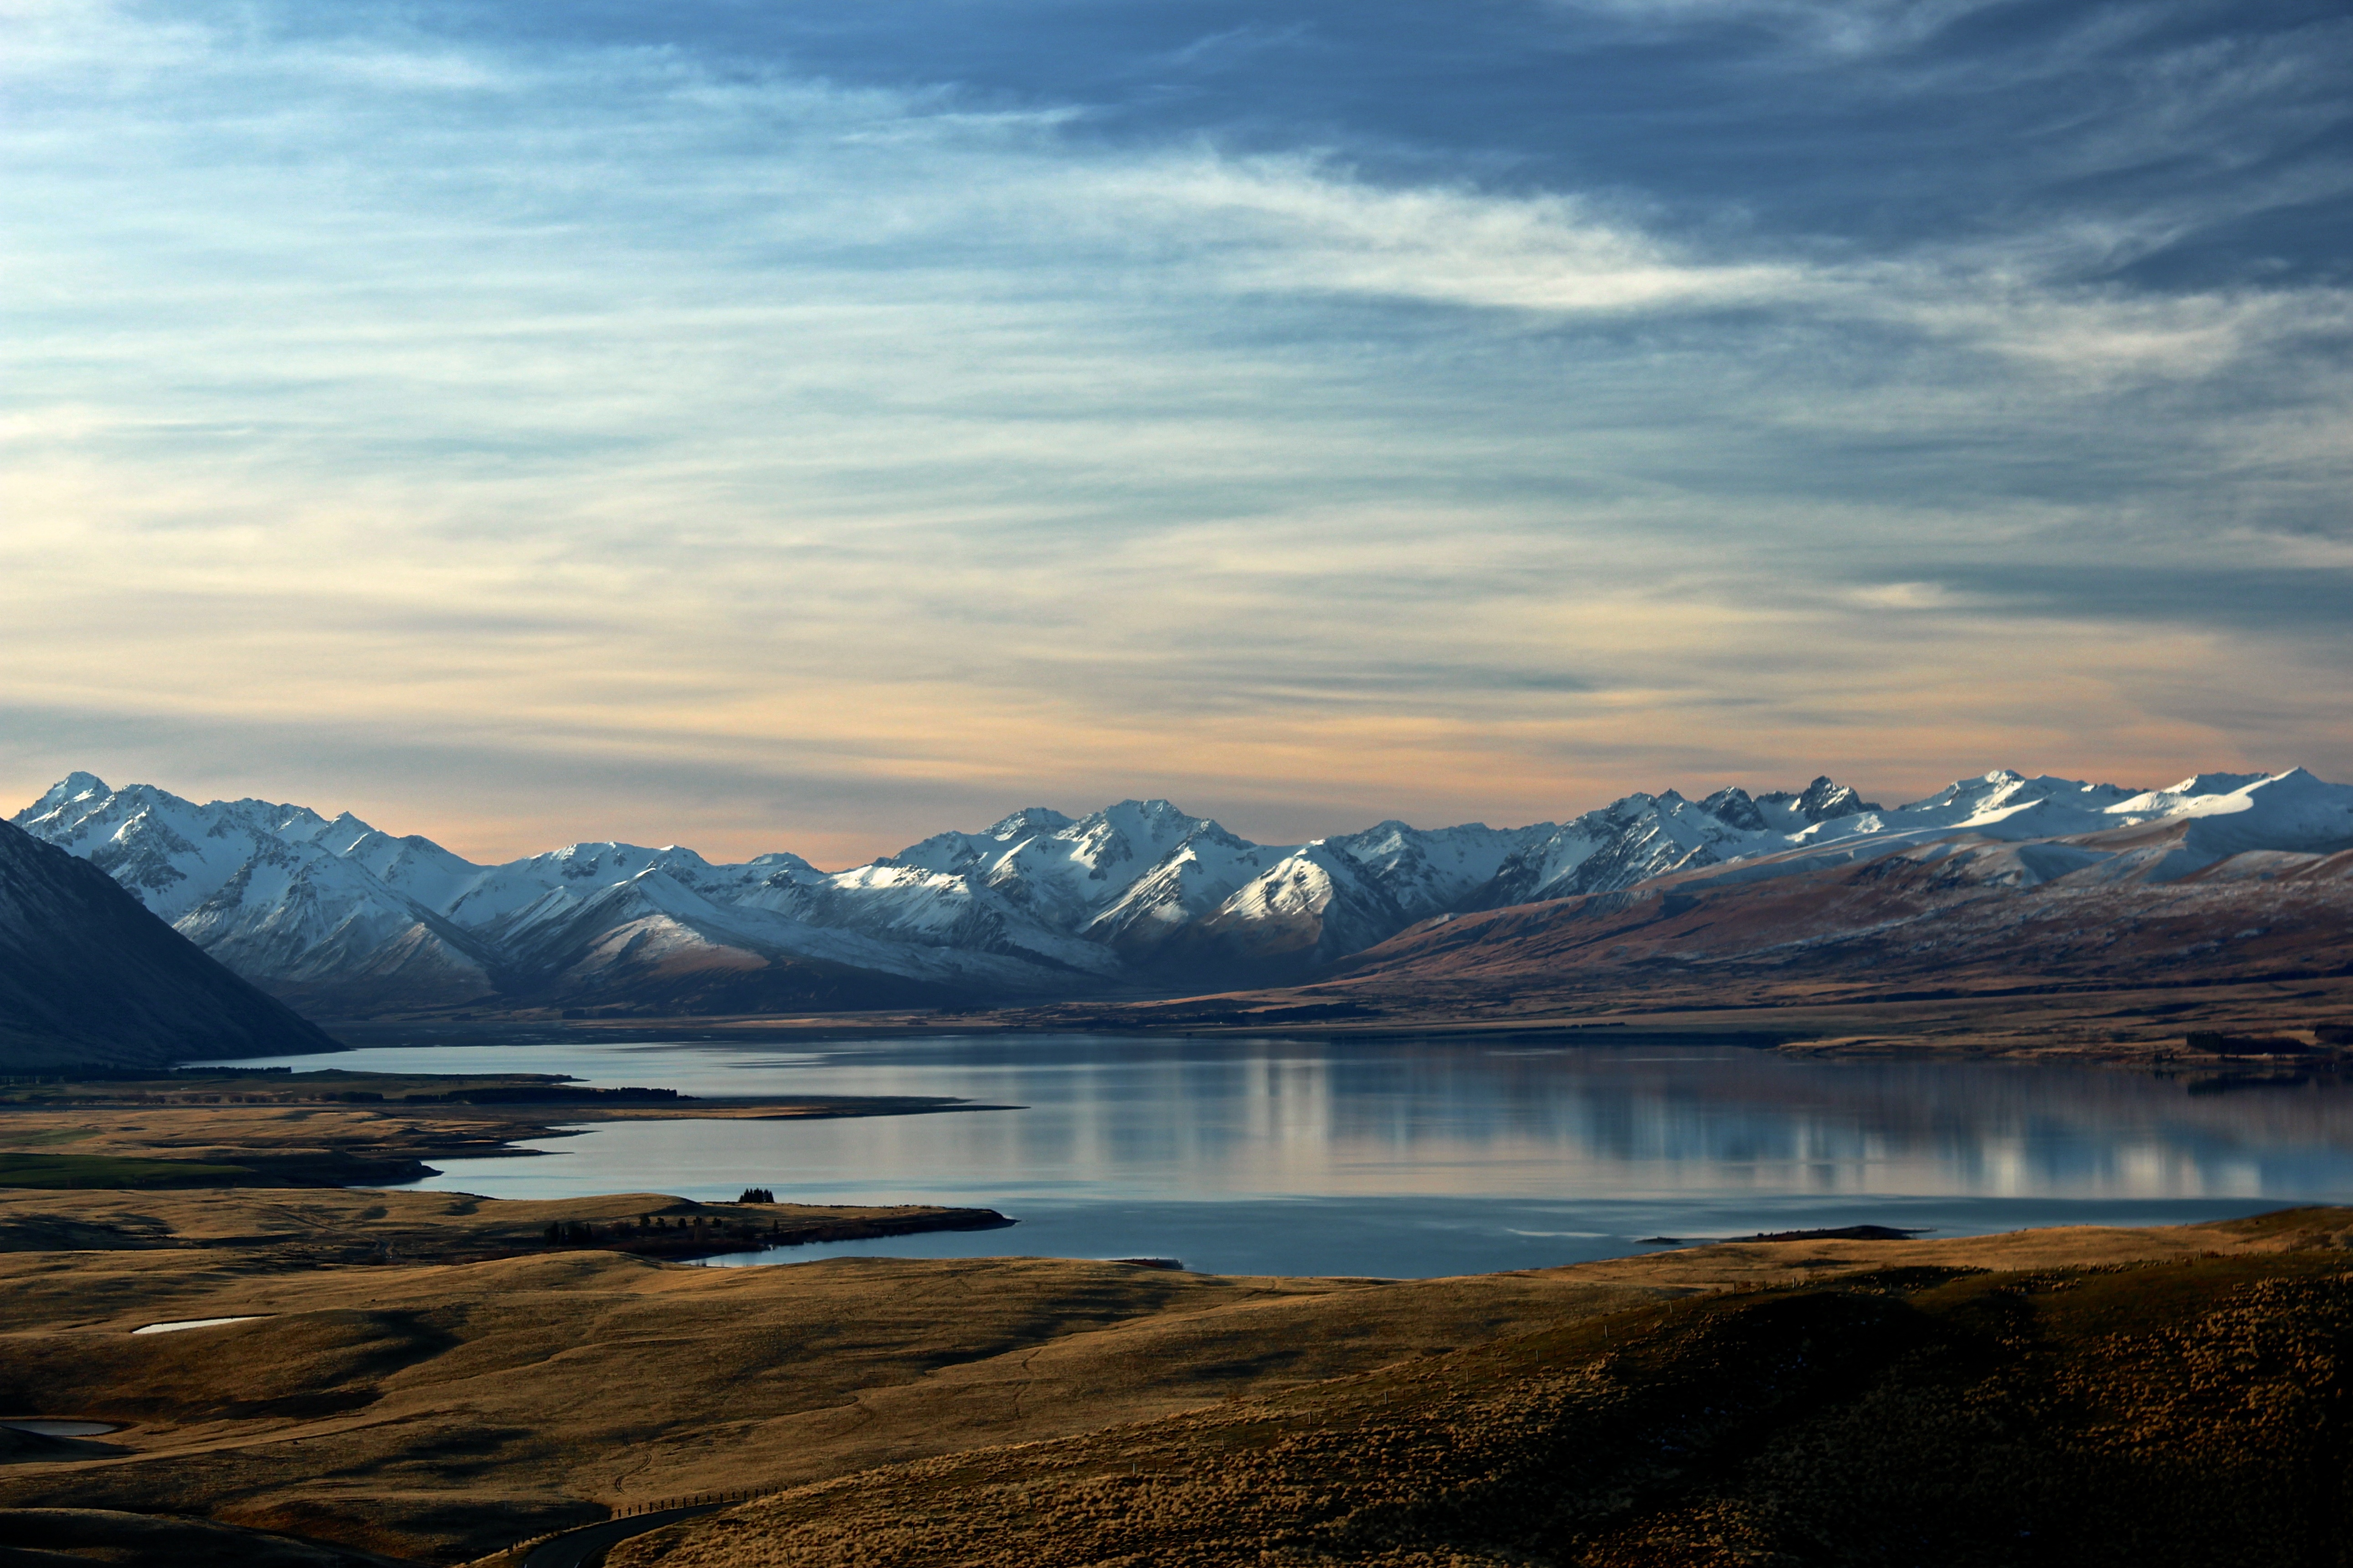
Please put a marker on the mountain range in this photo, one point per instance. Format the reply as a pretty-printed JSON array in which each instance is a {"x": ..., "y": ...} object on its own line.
[{"x": 344, "y": 920}]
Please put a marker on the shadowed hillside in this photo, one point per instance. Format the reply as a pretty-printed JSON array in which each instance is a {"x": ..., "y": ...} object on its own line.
[{"x": 88, "y": 977}]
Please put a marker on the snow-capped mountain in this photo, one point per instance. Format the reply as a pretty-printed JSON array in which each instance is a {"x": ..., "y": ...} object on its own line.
[
  {"x": 1646, "y": 836},
  {"x": 2223, "y": 878},
  {"x": 344, "y": 917}
]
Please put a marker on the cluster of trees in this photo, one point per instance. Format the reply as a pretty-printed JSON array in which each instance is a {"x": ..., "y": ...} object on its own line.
[
  {"x": 545, "y": 1093},
  {"x": 2215, "y": 1043},
  {"x": 685, "y": 1228},
  {"x": 756, "y": 1195}
]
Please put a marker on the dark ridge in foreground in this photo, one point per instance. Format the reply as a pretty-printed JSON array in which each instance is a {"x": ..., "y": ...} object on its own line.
[
  {"x": 64, "y": 1537},
  {"x": 89, "y": 978}
]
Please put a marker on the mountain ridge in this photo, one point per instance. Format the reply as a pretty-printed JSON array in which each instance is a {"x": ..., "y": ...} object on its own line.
[{"x": 1138, "y": 897}]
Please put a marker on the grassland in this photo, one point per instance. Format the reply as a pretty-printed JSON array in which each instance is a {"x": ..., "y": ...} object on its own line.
[
  {"x": 332, "y": 1128},
  {"x": 2156, "y": 1413},
  {"x": 2173, "y": 1393},
  {"x": 106, "y": 1171}
]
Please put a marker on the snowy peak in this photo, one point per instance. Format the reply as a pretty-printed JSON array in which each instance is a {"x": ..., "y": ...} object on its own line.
[
  {"x": 778, "y": 860},
  {"x": 2292, "y": 811},
  {"x": 955, "y": 853},
  {"x": 2083, "y": 833},
  {"x": 1424, "y": 872},
  {"x": 74, "y": 787},
  {"x": 1309, "y": 881},
  {"x": 1067, "y": 877},
  {"x": 1734, "y": 808},
  {"x": 1119, "y": 836},
  {"x": 1644, "y": 835},
  {"x": 1823, "y": 801},
  {"x": 1313, "y": 905},
  {"x": 2004, "y": 791},
  {"x": 1027, "y": 822},
  {"x": 2216, "y": 783},
  {"x": 1187, "y": 882}
]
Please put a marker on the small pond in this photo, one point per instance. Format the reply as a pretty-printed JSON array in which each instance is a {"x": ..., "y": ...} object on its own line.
[{"x": 45, "y": 1427}]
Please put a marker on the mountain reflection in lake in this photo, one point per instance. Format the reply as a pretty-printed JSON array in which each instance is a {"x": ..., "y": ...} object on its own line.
[{"x": 1422, "y": 1158}]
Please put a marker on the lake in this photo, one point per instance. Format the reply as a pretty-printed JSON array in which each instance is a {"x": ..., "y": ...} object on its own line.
[{"x": 1417, "y": 1158}]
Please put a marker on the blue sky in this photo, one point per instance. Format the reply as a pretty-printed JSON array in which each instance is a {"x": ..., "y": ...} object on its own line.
[{"x": 802, "y": 425}]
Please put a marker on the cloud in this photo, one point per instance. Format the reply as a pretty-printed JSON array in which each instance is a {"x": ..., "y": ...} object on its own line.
[
  {"x": 1293, "y": 224},
  {"x": 641, "y": 413},
  {"x": 1228, "y": 43}
]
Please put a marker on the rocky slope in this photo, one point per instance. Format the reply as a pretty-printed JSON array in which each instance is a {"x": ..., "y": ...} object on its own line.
[{"x": 89, "y": 977}]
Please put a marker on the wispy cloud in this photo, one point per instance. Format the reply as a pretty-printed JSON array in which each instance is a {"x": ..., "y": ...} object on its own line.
[
  {"x": 1298, "y": 226},
  {"x": 1842, "y": 27}
]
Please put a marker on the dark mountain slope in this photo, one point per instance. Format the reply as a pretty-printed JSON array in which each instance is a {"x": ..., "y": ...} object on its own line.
[
  {"x": 89, "y": 978},
  {"x": 1937, "y": 915}
]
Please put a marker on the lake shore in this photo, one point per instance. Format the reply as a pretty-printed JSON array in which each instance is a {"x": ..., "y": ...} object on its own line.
[
  {"x": 331, "y": 1127},
  {"x": 264, "y": 1231},
  {"x": 1996, "y": 1016}
]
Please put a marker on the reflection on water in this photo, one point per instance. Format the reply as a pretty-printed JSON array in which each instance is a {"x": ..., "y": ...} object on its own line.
[{"x": 1424, "y": 1157}]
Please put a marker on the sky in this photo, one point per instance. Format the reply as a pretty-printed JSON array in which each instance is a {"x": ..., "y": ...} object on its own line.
[{"x": 814, "y": 425}]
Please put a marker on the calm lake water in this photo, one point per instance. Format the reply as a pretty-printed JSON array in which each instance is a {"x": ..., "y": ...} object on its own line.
[{"x": 1409, "y": 1159}]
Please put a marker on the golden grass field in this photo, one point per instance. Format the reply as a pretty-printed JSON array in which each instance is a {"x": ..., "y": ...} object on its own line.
[{"x": 1784, "y": 1402}]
